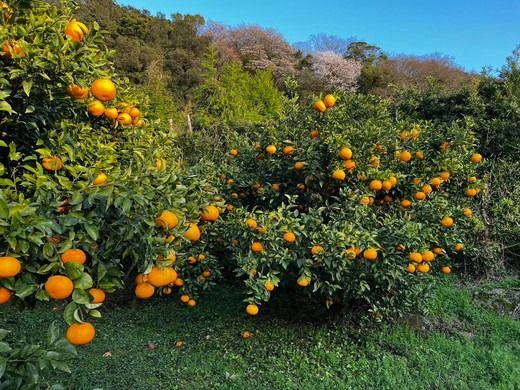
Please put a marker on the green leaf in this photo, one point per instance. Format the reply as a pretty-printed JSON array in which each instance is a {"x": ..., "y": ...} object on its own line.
[
  {"x": 73, "y": 270},
  {"x": 4, "y": 209},
  {"x": 95, "y": 313},
  {"x": 27, "y": 86},
  {"x": 84, "y": 282},
  {"x": 24, "y": 289},
  {"x": 3, "y": 365},
  {"x": 4, "y": 106},
  {"x": 3, "y": 333},
  {"x": 80, "y": 297},
  {"x": 4, "y": 347},
  {"x": 53, "y": 333},
  {"x": 68, "y": 313},
  {"x": 92, "y": 231}
]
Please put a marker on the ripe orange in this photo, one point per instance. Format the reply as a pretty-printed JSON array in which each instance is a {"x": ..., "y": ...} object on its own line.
[
  {"x": 59, "y": 287},
  {"x": 246, "y": 334},
  {"x": 365, "y": 200},
  {"x": 98, "y": 295},
  {"x": 459, "y": 247},
  {"x": 100, "y": 179},
  {"x": 317, "y": 250},
  {"x": 416, "y": 257},
  {"x": 111, "y": 113},
  {"x": 376, "y": 185},
  {"x": 206, "y": 274},
  {"x": 410, "y": 268},
  {"x": 276, "y": 187},
  {"x": 192, "y": 303},
  {"x": 257, "y": 247},
  {"x": 303, "y": 281},
  {"x": 10, "y": 48},
  {"x": 179, "y": 344},
  {"x": 419, "y": 155},
  {"x": 438, "y": 251},
  {"x": 160, "y": 277},
  {"x": 467, "y": 212},
  {"x": 349, "y": 164},
  {"x": 446, "y": 269},
  {"x": 386, "y": 185},
  {"x": 419, "y": 195},
  {"x": 270, "y": 149},
  {"x": 289, "y": 237},
  {"x": 288, "y": 150},
  {"x": 339, "y": 175},
  {"x": 167, "y": 220},
  {"x": 445, "y": 175},
  {"x": 447, "y": 222},
  {"x": 405, "y": 156},
  {"x": 314, "y": 134},
  {"x": 9, "y": 267},
  {"x": 320, "y": 106},
  {"x": 81, "y": 334},
  {"x": 476, "y": 158},
  {"x": 423, "y": 268},
  {"x": 179, "y": 282},
  {"x": 76, "y": 30},
  {"x": 124, "y": 119},
  {"x": 185, "y": 298},
  {"x": 471, "y": 192},
  {"x": 252, "y": 310},
  {"x": 104, "y": 90},
  {"x": 345, "y": 153},
  {"x": 269, "y": 285},
  {"x": 298, "y": 165},
  {"x": 251, "y": 223},
  {"x": 140, "y": 278},
  {"x": 144, "y": 290},
  {"x": 427, "y": 189},
  {"x": 406, "y": 203},
  {"x": 74, "y": 256},
  {"x": 53, "y": 163},
  {"x": 96, "y": 108},
  {"x": 210, "y": 214},
  {"x": 370, "y": 254},
  {"x": 428, "y": 256},
  {"x": 416, "y": 181},
  {"x": 472, "y": 179},
  {"x": 329, "y": 101},
  {"x": 233, "y": 152},
  {"x": 133, "y": 112},
  {"x": 436, "y": 182},
  {"x": 5, "y": 295},
  {"x": 76, "y": 92}
]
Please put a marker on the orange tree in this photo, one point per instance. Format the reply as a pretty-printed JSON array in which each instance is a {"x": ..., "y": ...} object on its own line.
[
  {"x": 350, "y": 204},
  {"x": 90, "y": 191}
]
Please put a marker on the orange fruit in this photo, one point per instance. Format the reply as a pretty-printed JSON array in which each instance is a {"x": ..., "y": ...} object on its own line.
[
  {"x": 257, "y": 247},
  {"x": 124, "y": 119},
  {"x": 246, "y": 334},
  {"x": 376, "y": 185},
  {"x": 210, "y": 214},
  {"x": 269, "y": 285},
  {"x": 104, "y": 90},
  {"x": 406, "y": 203},
  {"x": 423, "y": 268},
  {"x": 339, "y": 175},
  {"x": 329, "y": 101},
  {"x": 192, "y": 303},
  {"x": 167, "y": 220},
  {"x": 179, "y": 344},
  {"x": 386, "y": 185},
  {"x": 320, "y": 106},
  {"x": 233, "y": 152},
  {"x": 10, "y": 48},
  {"x": 349, "y": 164},
  {"x": 76, "y": 92},
  {"x": 171, "y": 257},
  {"x": 471, "y": 192},
  {"x": 185, "y": 298},
  {"x": 467, "y": 212},
  {"x": 436, "y": 182},
  {"x": 419, "y": 195},
  {"x": 365, "y": 200},
  {"x": 438, "y": 251},
  {"x": 96, "y": 108},
  {"x": 289, "y": 237},
  {"x": 133, "y": 112},
  {"x": 98, "y": 295},
  {"x": 100, "y": 179},
  {"x": 416, "y": 257},
  {"x": 447, "y": 222},
  {"x": 140, "y": 278},
  {"x": 298, "y": 165},
  {"x": 252, "y": 310},
  {"x": 144, "y": 290},
  {"x": 9, "y": 267},
  {"x": 59, "y": 287},
  {"x": 276, "y": 187},
  {"x": 80, "y": 334},
  {"x": 74, "y": 256},
  {"x": 419, "y": 155},
  {"x": 445, "y": 175},
  {"x": 459, "y": 247},
  {"x": 446, "y": 269},
  {"x": 314, "y": 134},
  {"x": 270, "y": 149},
  {"x": 472, "y": 179},
  {"x": 179, "y": 282},
  {"x": 345, "y": 153},
  {"x": 160, "y": 277},
  {"x": 428, "y": 256},
  {"x": 206, "y": 274},
  {"x": 288, "y": 150},
  {"x": 303, "y": 281},
  {"x": 427, "y": 189},
  {"x": 405, "y": 156},
  {"x": 76, "y": 30},
  {"x": 416, "y": 180},
  {"x": 5, "y": 295},
  {"x": 111, "y": 113},
  {"x": 476, "y": 158},
  {"x": 317, "y": 250},
  {"x": 251, "y": 223},
  {"x": 370, "y": 254},
  {"x": 410, "y": 268},
  {"x": 53, "y": 163}
]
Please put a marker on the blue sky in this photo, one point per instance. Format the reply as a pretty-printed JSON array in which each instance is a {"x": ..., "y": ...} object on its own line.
[{"x": 475, "y": 33}]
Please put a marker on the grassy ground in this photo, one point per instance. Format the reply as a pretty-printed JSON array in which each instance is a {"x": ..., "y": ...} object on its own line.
[{"x": 461, "y": 344}]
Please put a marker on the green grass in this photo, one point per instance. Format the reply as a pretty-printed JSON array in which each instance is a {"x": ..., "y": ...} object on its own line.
[{"x": 459, "y": 345}]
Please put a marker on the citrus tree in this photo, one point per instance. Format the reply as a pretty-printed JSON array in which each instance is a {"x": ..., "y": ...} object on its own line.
[
  {"x": 91, "y": 192},
  {"x": 351, "y": 205}
]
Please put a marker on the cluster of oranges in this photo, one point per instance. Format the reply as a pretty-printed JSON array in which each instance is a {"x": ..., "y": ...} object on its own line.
[{"x": 322, "y": 105}]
